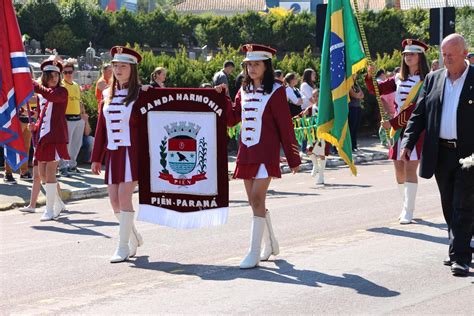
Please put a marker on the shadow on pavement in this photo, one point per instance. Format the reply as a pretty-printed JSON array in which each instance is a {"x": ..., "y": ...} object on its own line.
[
  {"x": 419, "y": 221},
  {"x": 344, "y": 186},
  {"x": 285, "y": 273},
  {"x": 77, "y": 227},
  {"x": 275, "y": 193},
  {"x": 403, "y": 233}
]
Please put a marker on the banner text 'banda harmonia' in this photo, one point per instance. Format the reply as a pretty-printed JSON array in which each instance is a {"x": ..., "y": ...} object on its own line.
[{"x": 183, "y": 158}]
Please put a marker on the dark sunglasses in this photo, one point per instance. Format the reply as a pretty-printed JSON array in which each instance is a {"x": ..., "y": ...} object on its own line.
[{"x": 68, "y": 72}]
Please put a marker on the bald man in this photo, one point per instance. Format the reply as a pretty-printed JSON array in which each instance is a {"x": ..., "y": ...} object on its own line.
[{"x": 445, "y": 111}]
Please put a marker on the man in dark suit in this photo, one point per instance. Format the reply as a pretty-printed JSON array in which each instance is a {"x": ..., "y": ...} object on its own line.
[{"x": 445, "y": 110}]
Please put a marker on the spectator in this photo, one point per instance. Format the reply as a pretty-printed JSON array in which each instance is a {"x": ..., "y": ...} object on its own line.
[
  {"x": 87, "y": 139},
  {"x": 380, "y": 76},
  {"x": 75, "y": 124},
  {"x": 293, "y": 94},
  {"x": 355, "y": 109},
  {"x": 434, "y": 65},
  {"x": 238, "y": 81},
  {"x": 307, "y": 87},
  {"x": 103, "y": 82},
  {"x": 158, "y": 77},
  {"x": 470, "y": 58},
  {"x": 279, "y": 75},
  {"x": 222, "y": 76}
]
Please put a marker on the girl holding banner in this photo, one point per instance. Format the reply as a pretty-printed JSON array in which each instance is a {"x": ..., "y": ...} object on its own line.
[
  {"x": 262, "y": 108},
  {"x": 116, "y": 139},
  {"x": 406, "y": 85}
]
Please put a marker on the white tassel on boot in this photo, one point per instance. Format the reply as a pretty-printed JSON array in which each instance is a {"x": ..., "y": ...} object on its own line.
[
  {"x": 253, "y": 256},
  {"x": 50, "y": 189},
  {"x": 409, "y": 205},
  {"x": 59, "y": 205},
  {"x": 314, "y": 160},
  {"x": 123, "y": 252},
  {"x": 271, "y": 246},
  {"x": 136, "y": 240},
  {"x": 321, "y": 167}
]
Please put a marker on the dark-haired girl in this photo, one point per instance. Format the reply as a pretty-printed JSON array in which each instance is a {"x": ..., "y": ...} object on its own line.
[
  {"x": 51, "y": 133},
  {"x": 406, "y": 86},
  {"x": 262, "y": 108}
]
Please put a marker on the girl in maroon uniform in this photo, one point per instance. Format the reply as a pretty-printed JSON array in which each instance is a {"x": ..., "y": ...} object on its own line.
[
  {"x": 51, "y": 132},
  {"x": 116, "y": 140},
  {"x": 262, "y": 108}
]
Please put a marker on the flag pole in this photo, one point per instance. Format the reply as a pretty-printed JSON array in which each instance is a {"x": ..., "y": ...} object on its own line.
[{"x": 383, "y": 114}]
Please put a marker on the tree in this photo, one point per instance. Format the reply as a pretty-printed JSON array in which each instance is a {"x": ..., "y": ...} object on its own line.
[
  {"x": 36, "y": 18},
  {"x": 63, "y": 39}
]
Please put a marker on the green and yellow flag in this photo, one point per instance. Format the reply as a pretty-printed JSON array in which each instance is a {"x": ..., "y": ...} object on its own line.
[{"x": 342, "y": 56}]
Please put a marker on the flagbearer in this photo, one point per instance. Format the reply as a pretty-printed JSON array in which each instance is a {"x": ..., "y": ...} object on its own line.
[
  {"x": 406, "y": 85},
  {"x": 51, "y": 130},
  {"x": 116, "y": 141},
  {"x": 262, "y": 108}
]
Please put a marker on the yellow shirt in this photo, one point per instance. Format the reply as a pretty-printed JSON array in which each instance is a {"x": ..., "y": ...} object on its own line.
[{"x": 74, "y": 98}]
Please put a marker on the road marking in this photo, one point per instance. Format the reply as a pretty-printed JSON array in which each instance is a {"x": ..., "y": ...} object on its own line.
[
  {"x": 47, "y": 301},
  {"x": 118, "y": 284}
]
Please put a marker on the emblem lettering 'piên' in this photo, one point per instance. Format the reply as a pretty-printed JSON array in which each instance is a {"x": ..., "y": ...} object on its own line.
[{"x": 182, "y": 153}]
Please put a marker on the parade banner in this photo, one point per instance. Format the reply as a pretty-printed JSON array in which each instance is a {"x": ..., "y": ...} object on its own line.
[
  {"x": 183, "y": 177},
  {"x": 342, "y": 56}
]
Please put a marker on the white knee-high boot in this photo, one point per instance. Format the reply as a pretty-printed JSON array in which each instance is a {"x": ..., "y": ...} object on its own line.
[
  {"x": 123, "y": 252},
  {"x": 270, "y": 246},
  {"x": 253, "y": 256},
  {"x": 50, "y": 189},
  {"x": 321, "y": 167},
  {"x": 409, "y": 204},
  {"x": 401, "y": 190},
  {"x": 136, "y": 240},
  {"x": 314, "y": 160},
  {"x": 58, "y": 205}
]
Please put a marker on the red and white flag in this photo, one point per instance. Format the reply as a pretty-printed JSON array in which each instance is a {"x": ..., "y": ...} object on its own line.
[{"x": 15, "y": 85}]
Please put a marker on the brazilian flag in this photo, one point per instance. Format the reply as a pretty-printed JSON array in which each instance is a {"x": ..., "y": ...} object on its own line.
[{"x": 342, "y": 56}]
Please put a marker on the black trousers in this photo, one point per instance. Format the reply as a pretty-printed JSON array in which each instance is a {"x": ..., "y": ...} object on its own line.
[{"x": 456, "y": 187}]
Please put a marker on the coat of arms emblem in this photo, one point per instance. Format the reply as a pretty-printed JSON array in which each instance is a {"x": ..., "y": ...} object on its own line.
[{"x": 183, "y": 154}]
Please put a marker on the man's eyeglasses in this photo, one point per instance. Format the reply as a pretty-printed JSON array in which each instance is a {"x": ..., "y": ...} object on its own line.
[{"x": 68, "y": 72}]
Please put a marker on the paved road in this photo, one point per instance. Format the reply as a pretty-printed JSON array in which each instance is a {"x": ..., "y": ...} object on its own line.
[{"x": 342, "y": 252}]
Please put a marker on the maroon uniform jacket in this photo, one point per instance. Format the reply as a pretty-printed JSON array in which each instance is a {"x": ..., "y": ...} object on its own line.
[
  {"x": 266, "y": 123},
  {"x": 51, "y": 127}
]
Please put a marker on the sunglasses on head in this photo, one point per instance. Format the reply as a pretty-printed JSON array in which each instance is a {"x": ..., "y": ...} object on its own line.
[{"x": 68, "y": 72}]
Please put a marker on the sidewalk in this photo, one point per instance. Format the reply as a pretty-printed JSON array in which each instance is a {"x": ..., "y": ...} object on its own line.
[{"x": 87, "y": 185}]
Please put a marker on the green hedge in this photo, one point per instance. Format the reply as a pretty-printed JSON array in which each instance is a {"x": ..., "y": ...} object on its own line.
[{"x": 82, "y": 22}]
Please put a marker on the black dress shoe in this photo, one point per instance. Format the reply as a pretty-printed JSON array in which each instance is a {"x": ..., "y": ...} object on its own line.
[
  {"x": 447, "y": 261},
  {"x": 459, "y": 269}
]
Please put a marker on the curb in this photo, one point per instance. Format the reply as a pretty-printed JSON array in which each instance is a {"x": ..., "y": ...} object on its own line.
[{"x": 101, "y": 190}]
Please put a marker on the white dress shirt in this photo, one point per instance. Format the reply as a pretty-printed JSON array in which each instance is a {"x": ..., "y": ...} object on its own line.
[
  {"x": 452, "y": 93},
  {"x": 306, "y": 94}
]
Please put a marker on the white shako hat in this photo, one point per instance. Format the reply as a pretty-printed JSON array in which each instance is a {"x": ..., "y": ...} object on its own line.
[
  {"x": 254, "y": 52},
  {"x": 125, "y": 55},
  {"x": 51, "y": 65},
  {"x": 414, "y": 46}
]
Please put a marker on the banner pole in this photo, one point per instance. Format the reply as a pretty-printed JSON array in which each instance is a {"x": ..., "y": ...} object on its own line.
[{"x": 383, "y": 114}]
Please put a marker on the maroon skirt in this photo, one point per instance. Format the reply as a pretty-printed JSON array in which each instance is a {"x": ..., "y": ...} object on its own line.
[
  {"x": 249, "y": 171},
  {"x": 121, "y": 165},
  {"x": 51, "y": 152}
]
